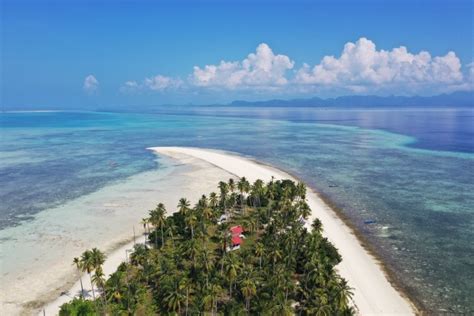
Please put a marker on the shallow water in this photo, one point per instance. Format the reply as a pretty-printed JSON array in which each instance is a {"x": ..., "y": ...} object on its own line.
[{"x": 420, "y": 199}]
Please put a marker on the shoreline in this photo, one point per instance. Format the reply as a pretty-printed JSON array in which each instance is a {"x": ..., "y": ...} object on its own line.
[
  {"x": 114, "y": 258},
  {"x": 189, "y": 178},
  {"x": 375, "y": 291},
  {"x": 416, "y": 305},
  {"x": 389, "y": 274}
]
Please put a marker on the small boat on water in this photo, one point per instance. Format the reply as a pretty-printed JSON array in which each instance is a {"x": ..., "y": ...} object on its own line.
[{"x": 370, "y": 221}]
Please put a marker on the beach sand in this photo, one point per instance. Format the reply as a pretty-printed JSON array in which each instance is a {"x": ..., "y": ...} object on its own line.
[
  {"x": 36, "y": 256},
  {"x": 373, "y": 293}
]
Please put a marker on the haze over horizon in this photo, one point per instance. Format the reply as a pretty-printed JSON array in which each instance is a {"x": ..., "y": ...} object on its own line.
[{"x": 68, "y": 55}]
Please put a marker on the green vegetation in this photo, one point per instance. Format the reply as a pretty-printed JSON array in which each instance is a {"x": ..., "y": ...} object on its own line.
[{"x": 187, "y": 267}]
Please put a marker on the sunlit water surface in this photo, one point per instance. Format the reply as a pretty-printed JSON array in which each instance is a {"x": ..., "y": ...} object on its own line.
[{"x": 410, "y": 171}]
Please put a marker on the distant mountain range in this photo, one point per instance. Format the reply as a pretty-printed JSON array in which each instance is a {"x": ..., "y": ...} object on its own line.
[{"x": 456, "y": 99}]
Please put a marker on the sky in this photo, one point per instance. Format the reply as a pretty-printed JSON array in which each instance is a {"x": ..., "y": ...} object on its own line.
[{"x": 129, "y": 53}]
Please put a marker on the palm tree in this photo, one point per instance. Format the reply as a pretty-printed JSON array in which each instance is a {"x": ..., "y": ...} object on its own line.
[
  {"x": 343, "y": 295},
  {"x": 213, "y": 200},
  {"x": 224, "y": 189},
  {"x": 244, "y": 187},
  {"x": 232, "y": 267},
  {"x": 301, "y": 190},
  {"x": 275, "y": 255},
  {"x": 248, "y": 289},
  {"x": 115, "y": 287},
  {"x": 207, "y": 214},
  {"x": 77, "y": 262},
  {"x": 231, "y": 185},
  {"x": 324, "y": 310},
  {"x": 304, "y": 209},
  {"x": 87, "y": 265},
  {"x": 207, "y": 262},
  {"x": 175, "y": 298},
  {"x": 186, "y": 285},
  {"x": 157, "y": 219},
  {"x": 231, "y": 201},
  {"x": 257, "y": 191},
  {"x": 317, "y": 226},
  {"x": 99, "y": 279},
  {"x": 98, "y": 258},
  {"x": 183, "y": 206},
  {"x": 145, "y": 227},
  {"x": 91, "y": 260},
  {"x": 281, "y": 306},
  {"x": 213, "y": 293},
  {"x": 170, "y": 231},
  {"x": 191, "y": 221},
  {"x": 223, "y": 240},
  {"x": 259, "y": 251},
  {"x": 191, "y": 249}
]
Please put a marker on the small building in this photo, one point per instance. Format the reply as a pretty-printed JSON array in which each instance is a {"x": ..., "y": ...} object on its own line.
[
  {"x": 236, "y": 241},
  {"x": 222, "y": 219},
  {"x": 237, "y": 236},
  {"x": 236, "y": 230}
]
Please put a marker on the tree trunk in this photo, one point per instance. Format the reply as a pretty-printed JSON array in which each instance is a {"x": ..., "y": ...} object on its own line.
[
  {"x": 82, "y": 288},
  {"x": 92, "y": 286},
  {"x": 187, "y": 300},
  {"x": 162, "y": 237}
]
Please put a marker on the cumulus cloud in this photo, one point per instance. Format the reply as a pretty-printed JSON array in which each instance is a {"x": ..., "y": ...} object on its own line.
[
  {"x": 155, "y": 83},
  {"x": 262, "y": 69},
  {"x": 91, "y": 84},
  {"x": 159, "y": 83},
  {"x": 361, "y": 67},
  {"x": 470, "y": 72}
]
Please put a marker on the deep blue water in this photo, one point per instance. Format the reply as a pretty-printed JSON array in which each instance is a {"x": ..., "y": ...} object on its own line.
[
  {"x": 411, "y": 171},
  {"x": 447, "y": 129}
]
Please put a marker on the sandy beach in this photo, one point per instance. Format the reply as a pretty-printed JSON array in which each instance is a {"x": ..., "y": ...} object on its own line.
[
  {"x": 36, "y": 256},
  {"x": 373, "y": 294}
]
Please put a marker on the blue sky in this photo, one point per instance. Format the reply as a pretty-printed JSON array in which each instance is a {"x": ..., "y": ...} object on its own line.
[{"x": 126, "y": 53}]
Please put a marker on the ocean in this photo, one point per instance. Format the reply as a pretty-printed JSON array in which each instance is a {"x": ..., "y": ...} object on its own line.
[{"x": 403, "y": 178}]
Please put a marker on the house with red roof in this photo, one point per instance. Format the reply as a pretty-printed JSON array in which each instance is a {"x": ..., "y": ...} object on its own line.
[
  {"x": 236, "y": 232},
  {"x": 236, "y": 241}
]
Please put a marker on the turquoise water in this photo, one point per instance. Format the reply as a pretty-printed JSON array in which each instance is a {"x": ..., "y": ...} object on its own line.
[{"x": 419, "y": 193}]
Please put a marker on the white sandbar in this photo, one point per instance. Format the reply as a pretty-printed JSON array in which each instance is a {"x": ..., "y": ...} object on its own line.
[{"x": 373, "y": 293}]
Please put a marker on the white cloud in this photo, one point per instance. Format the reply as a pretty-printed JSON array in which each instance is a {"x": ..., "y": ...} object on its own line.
[
  {"x": 155, "y": 83},
  {"x": 130, "y": 87},
  {"x": 91, "y": 84},
  {"x": 470, "y": 72},
  {"x": 361, "y": 68},
  {"x": 262, "y": 69},
  {"x": 159, "y": 83}
]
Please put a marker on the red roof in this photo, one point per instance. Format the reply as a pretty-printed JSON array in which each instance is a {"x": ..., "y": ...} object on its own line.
[
  {"x": 237, "y": 230},
  {"x": 236, "y": 240}
]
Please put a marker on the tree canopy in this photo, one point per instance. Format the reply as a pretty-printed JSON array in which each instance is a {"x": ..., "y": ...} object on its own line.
[{"x": 189, "y": 267}]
